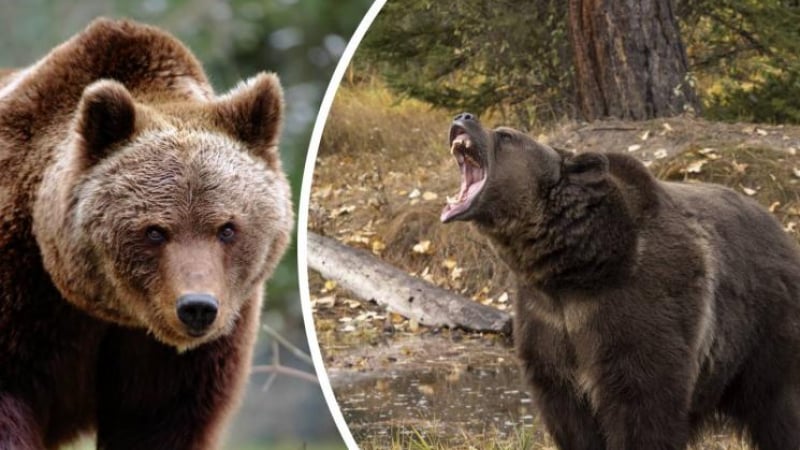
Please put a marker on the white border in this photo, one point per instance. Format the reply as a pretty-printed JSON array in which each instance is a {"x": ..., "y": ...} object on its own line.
[{"x": 302, "y": 222}]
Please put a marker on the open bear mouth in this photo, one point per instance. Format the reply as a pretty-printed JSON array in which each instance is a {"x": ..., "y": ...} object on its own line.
[{"x": 473, "y": 173}]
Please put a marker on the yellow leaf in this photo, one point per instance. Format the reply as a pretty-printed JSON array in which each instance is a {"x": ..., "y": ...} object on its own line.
[
  {"x": 426, "y": 389},
  {"x": 324, "y": 302},
  {"x": 378, "y": 247},
  {"x": 695, "y": 167},
  {"x": 428, "y": 196},
  {"x": 423, "y": 247},
  {"x": 324, "y": 192},
  {"x": 329, "y": 285},
  {"x": 740, "y": 168}
]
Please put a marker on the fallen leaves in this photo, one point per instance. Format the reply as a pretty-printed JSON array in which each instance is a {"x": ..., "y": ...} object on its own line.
[
  {"x": 347, "y": 209},
  {"x": 695, "y": 167},
  {"x": 748, "y": 191},
  {"x": 327, "y": 301}
]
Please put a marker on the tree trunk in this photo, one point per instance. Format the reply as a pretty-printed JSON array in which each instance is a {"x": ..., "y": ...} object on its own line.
[
  {"x": 371, "y": 279},
  {"x": 629, "y": 60}
]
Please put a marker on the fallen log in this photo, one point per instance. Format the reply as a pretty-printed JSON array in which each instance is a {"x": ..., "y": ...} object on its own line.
[{"x": 371, "y": 279}]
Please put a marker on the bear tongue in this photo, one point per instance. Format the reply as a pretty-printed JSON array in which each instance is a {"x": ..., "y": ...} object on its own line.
[{"x": 472, "y": 180}]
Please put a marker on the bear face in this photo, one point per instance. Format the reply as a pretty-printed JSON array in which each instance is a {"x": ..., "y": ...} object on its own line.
[
  {"x": 488, "y": 160},
  {"x": 560, "y": 204},
  {"x": 176, "y": 212}
]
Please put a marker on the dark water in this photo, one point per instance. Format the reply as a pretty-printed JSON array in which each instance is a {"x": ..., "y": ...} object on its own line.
[{"x": 475, "y": 389}]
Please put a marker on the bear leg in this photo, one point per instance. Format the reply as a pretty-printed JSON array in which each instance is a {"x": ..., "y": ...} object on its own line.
[
  {"x": 778, "y": 425},
  {"x": 568, "y": 418},
  {"x": 18, "y": 426},
  {"x": 772, "y": 419},
  {"x": 641, "y": 392}
]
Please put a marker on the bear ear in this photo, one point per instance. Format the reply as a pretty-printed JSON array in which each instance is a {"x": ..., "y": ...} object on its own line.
[
  {"x": 586, "y": 167},
  {"x": 252, "y": 112},
  {"x": 106, "y": 116}
]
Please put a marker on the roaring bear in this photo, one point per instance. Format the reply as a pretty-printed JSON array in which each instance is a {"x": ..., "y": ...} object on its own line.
[
  {"x": 645, "y": 309},
  {"x": 140, "y": 216}
]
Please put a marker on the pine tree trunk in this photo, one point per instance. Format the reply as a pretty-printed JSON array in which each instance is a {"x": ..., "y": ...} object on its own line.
[{"x": 629, "y": 60}]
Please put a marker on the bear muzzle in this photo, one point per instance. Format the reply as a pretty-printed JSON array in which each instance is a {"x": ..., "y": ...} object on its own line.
[{"x": 197, "y": 311}]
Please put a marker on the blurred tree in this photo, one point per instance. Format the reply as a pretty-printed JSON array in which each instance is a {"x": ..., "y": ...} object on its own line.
[{"x": 629, "y": 59}]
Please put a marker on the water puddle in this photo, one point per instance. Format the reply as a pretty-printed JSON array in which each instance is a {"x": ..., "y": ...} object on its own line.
[{"x": 432, "y": 386}]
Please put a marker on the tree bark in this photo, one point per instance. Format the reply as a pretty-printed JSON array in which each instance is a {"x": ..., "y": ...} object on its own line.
[
  {"x": 371, "y": 279},
  {"x": 629, "y": 60}
]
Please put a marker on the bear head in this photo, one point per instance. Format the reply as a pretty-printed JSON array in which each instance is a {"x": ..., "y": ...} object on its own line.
[
  {"x": 555, "y": 217},
  {"x": 167, "y": 216},
  {"x": 506, "y": 174}
]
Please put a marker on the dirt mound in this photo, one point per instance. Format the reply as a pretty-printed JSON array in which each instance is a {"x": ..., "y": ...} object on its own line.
[{"x": 770, "y": 176}]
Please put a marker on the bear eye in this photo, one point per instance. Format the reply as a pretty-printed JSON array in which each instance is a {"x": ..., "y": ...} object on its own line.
[
  {"x": 226, "y": 233},
  {"x": 156, "y": 235},
  {"x": 504, "y": 136}
]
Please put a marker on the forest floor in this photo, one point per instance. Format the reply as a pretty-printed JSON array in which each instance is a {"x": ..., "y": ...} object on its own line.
[{"x": 382, "y": 175}]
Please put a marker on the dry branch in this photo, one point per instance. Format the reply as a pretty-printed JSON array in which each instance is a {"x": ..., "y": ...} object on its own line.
[{"x": 371, "y": 279}]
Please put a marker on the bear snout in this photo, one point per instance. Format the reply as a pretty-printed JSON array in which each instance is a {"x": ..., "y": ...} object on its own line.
[{"x": 197, "y": 311}]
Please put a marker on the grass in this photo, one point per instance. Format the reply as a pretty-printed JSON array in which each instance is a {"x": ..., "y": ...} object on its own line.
[{"x": 415, "y": 438}]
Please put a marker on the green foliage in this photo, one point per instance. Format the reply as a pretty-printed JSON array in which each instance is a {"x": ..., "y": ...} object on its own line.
[
  {"x": 514, "y": 57},
  {"x": 509, "y": 57},
  {"x": 746, "y": 55},
  {"x": 774, "y": 99}
]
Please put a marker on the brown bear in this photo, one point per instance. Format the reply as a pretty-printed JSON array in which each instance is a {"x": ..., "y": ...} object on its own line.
[
  {"x": 645, "y": 309},
  {"x": 140, "y": 216}
]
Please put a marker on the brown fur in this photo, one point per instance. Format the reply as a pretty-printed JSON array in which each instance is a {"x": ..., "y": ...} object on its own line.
[
  {"x": 645, "y": 308},
  {"x": 114, "y": 133}
]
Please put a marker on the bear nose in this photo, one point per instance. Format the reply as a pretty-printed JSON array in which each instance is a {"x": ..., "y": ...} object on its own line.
[
  {"x": 197, "y": 312},
  {"x": 464, "y": 116}
]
